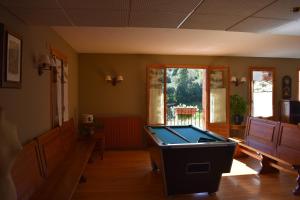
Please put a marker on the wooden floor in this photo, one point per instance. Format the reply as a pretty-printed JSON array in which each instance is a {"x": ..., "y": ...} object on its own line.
[{"x": 125, "y": 175}]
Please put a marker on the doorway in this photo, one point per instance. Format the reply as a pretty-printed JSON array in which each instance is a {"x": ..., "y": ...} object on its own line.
[{"x": 189, "y": 95}]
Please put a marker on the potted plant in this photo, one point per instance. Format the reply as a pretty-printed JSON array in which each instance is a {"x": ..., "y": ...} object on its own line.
[{"x": 238, "y": 108}]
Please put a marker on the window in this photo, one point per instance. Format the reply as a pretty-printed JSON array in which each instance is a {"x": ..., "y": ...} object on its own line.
[
  {"x": 262, "y": 92},
  {"x": 59, "y": 89}
]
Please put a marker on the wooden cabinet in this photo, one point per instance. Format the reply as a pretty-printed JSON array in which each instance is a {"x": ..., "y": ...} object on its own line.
[{"x": 290, "y": 111}]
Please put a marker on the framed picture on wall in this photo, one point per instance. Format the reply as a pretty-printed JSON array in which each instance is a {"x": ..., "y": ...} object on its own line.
[{"x": 12, "y": 68}]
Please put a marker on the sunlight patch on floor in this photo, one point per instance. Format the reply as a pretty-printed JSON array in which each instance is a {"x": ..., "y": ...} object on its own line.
[{"x": 239, "y": 168}]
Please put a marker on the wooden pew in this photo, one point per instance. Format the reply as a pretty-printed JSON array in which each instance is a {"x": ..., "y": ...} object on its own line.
[
  {"x": 276, "y": 145},
  {"x": 61, "y": 157},
  {"x": 27, "y": 172}
]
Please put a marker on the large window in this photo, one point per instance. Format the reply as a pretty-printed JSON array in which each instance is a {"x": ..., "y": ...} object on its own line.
[{"x": 262, "y": 92}]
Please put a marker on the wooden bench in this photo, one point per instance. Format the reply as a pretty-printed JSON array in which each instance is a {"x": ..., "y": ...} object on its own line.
[
  {"x": 276, "y": 145},
  {"x": 61, "y": 158}
]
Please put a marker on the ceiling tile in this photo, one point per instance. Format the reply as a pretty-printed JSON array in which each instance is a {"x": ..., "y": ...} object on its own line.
[
  {"x": 156, "y": 19},
  {"x": 30, "y": 4},
  {"x": 282, "y": 9},
  {"x": 257, "y": 25},
  {"x": 210, "y": 22},
  {"x": 164, "y": 5},
  {"x": 45, "y": 17},
  {"x": 93, "y": 4},
  {"x": 231, "y": 7},
  {"x": 94, "y": 17}
]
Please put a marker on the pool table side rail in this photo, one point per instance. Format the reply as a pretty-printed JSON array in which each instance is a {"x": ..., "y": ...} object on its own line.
[
  {"x": 224, "y": 142},
  {"x": 207, "y": 132},
  {"x": 193, "y": 127}
]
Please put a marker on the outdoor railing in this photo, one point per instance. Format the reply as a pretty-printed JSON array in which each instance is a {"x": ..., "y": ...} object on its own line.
[{"x": 185, "y": 116}]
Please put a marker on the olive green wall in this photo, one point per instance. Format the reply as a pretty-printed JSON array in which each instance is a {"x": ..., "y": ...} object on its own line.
[
  {"x": 129, "y": 97},
  {"x": 29, "y": 107}
]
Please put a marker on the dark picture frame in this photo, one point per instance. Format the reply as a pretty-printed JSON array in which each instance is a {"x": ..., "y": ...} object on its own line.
[{"x": 11, "y": 70}]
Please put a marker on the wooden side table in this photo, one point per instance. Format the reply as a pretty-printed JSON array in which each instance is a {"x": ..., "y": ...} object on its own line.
[{"x": 100, "y": 143}]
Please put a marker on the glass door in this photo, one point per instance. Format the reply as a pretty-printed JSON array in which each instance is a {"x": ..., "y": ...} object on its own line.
[
  {"x": 156, "y": 95},
  {"x": 180, "y": 95},
  {"x": 217, "y": 95},
  {"x": 184, "y": 96}
]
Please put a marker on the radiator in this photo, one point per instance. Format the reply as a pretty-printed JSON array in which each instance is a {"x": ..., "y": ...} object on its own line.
[{"x": 122, "y": 132}]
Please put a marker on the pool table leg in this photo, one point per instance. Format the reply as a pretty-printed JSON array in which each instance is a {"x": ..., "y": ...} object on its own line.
[
  {"x": 266, "y": 167},
  {"x": 154, "y": 166}
]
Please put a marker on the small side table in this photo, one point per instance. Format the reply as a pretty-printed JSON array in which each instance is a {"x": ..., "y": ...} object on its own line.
[
  {"x": 97, "y": 135},
  {"x": 100, "y": 143}
]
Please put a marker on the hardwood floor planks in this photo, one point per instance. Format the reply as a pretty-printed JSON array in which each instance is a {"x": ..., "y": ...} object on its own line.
[{"x": 127, "y": 175}]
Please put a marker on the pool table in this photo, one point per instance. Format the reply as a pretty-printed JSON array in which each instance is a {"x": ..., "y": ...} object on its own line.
[{"x": 190, "y": 160}]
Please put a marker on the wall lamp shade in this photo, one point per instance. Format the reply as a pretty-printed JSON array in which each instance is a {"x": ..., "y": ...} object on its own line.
[
  {"x": 87, "y": 118},
  {"x": 45, "y": 63},
  {"x": 237, "y": 81},
  {"x": 114, "y": 80}
]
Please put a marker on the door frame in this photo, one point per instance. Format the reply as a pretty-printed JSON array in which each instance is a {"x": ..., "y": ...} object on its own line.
[
  {"x": 250, "y": 101},
  {"x": 206, "y": 87},
  {"x": 222, "y": 128}
]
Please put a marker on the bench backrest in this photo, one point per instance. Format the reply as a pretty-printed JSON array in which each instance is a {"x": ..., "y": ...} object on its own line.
[
  {"x": 39, "y": 158},
  {"x": 69, "y": 135},
  {"x": 288, "y": 147},
  {"x": 281, "y": 140},
  {"x": 27, "y": 171},
  {"x": 52, "y": 150},
  {"x": 262, "y": 134}
]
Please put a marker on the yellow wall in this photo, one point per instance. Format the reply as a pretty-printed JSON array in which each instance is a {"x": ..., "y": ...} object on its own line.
[
  {"x": 29, "y": 107},
  {"x": 129, "y": 97}
]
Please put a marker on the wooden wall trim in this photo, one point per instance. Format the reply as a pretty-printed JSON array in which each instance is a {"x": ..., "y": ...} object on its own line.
[{"x": 57, "y": 53}]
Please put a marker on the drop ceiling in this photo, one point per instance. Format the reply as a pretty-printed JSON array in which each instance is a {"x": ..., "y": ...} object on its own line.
[{"x": 184, "y": 20}]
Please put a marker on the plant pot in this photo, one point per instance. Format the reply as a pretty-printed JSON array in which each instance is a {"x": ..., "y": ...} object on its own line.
[{"x": 238, "y": 119}]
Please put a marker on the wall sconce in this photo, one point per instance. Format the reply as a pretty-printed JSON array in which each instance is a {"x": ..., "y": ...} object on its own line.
[
  {"x": 237, "y": 81},
  {"x": 113, "y": 80},
  {"x": 45, "y": 63}
]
